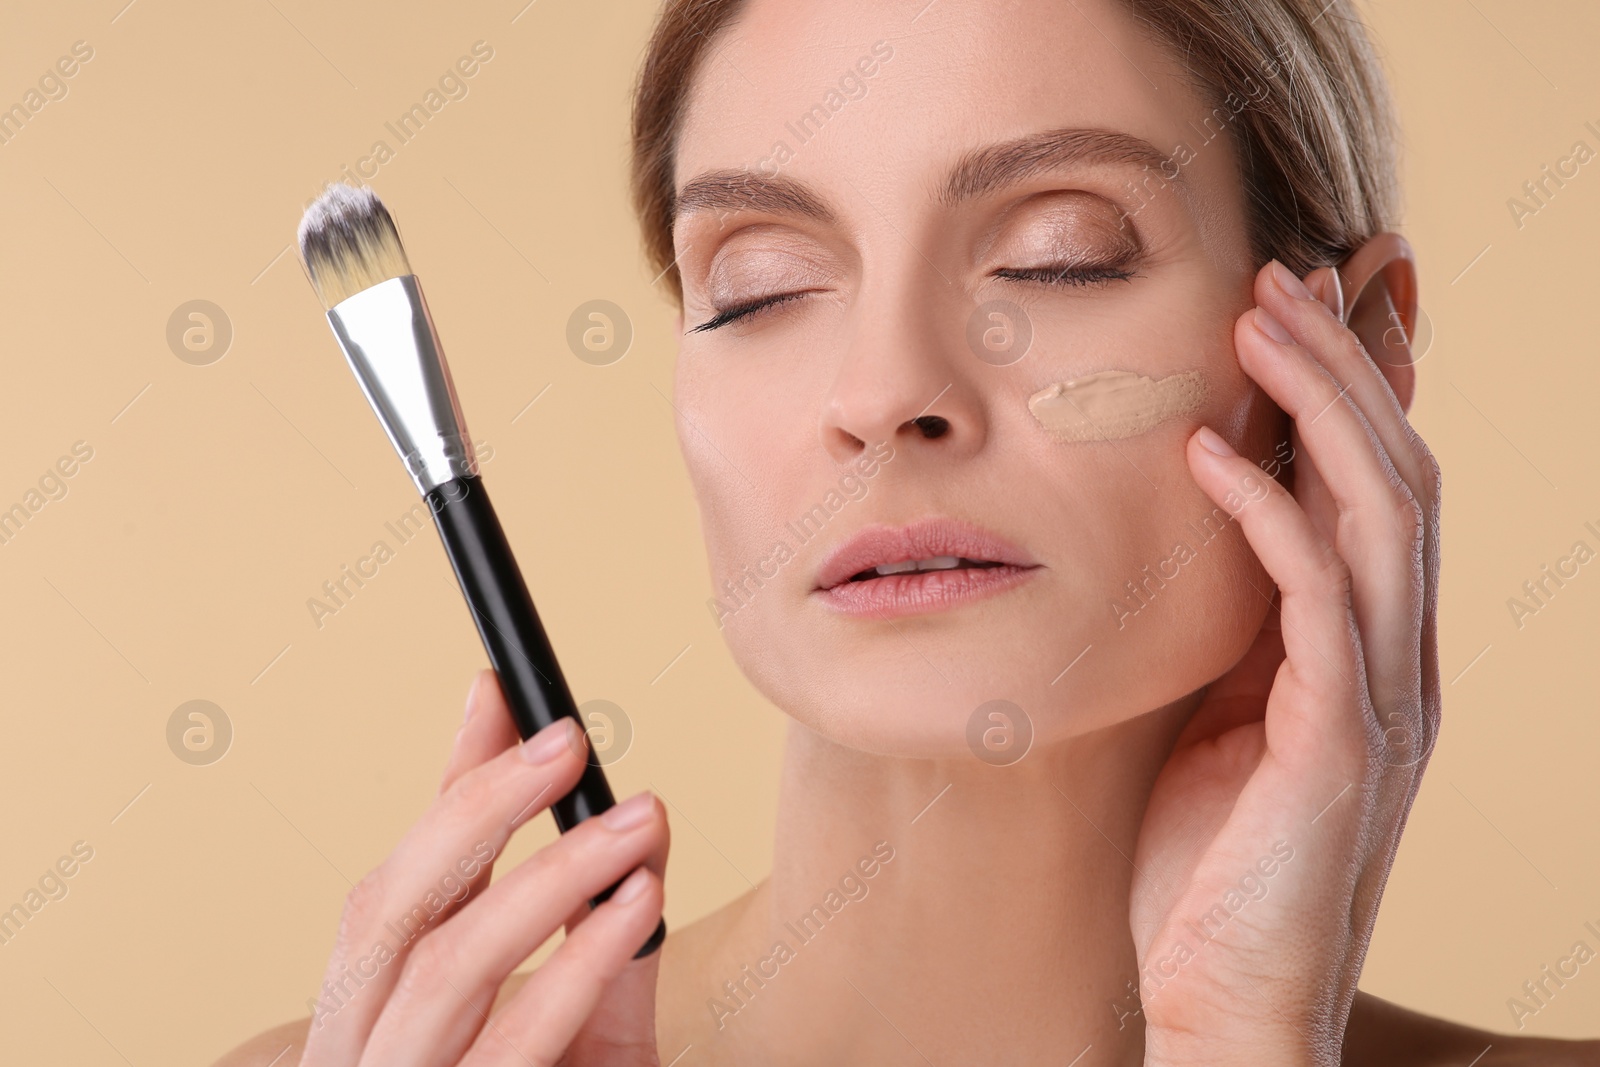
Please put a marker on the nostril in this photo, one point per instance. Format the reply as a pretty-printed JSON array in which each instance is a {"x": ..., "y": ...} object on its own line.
[{"x": 932, "y": 425}]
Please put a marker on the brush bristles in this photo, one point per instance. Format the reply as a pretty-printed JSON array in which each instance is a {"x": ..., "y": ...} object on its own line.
[{"x": 349, "y": 243}]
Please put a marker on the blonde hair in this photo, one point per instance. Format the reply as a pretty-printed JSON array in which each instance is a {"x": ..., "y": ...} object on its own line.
[{"x": 1315, "y": 134}]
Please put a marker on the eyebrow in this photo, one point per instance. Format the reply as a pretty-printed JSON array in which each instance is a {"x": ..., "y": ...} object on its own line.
[
  {"x": 979, "y": 172},
  {"x": 987, "y": 170},
  {"x": 734, "y": 190}
]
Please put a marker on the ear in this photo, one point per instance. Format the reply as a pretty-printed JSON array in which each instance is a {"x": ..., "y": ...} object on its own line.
[{"x": 1380, "y": 307}]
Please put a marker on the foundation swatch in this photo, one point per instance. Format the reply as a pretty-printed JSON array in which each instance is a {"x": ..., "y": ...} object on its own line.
[{"x": 1115, "y": 403}]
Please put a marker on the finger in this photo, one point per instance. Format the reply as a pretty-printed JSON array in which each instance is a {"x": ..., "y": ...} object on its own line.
[
  {"x": 1378, "y": 528},
  {"x": 463, "y": 962},
  {"x": 487, "y": 730},
  {"x": 1325, "y": 335},
  {"x": 1379, "y": 519},
  {"x": 554, "y": 1011},
  {"x": 625, "y": 1015},
  {"x": 1316, "y": 721},
  {"x": 1309, "y": 488},
  {"x": 655, "y": 860},
  {"x": 427, "y": 877},
  {"x": 1312, "y": 325},
  {"x": 1326, "y": 286}
]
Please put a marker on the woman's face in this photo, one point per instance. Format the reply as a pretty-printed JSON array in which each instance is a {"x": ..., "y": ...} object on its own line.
[{"x": 892, "y": 175}]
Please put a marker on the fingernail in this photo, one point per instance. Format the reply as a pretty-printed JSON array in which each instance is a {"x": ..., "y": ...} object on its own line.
[
  {"x": 632, "y": 887},
  {"x": 1286, "y": 280},
  {"x": 1272, "y": 327},
  {"x": 1213, "y": 442},
  {"x": 547, "y": 744},
  {"x": 630, "y": 813},
  {"x": 1332, "y": 295},
  {"x": 472, "y": 697}
]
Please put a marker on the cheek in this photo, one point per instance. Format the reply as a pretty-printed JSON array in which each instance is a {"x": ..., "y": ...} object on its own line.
[
  {"x": 1168, "y": 595},
  {"x": 744, "y": 445},
  {"x": 1241, "y": 412},
  {"x": 710, "y": 436},
  {"x": 1153, "y": 569},
  {"x": 1144, "y": 569}
]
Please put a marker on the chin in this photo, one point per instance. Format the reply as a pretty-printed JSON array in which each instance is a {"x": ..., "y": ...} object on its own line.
[{"x": 995, "y": 681}]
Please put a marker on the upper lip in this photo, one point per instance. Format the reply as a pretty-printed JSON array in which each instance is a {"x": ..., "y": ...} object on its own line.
[{"x": 878, "y": 545}]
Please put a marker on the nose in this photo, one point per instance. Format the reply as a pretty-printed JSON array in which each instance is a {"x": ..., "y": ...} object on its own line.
[{"x": 902, "y": 377}]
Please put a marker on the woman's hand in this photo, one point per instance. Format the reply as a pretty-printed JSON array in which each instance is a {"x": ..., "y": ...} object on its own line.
[
  {"x": 1271, "y": 829},
  {"x": 425, "y": 942}
]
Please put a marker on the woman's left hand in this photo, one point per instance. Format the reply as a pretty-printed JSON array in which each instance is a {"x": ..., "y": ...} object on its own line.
[{"x": 1271, "y": 829}]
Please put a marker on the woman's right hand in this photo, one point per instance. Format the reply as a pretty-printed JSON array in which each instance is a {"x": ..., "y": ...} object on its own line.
[{"x": 425, "y": 942}]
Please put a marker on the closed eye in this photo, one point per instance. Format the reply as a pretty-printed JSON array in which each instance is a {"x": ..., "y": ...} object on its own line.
[
  {"x": 1066, "y": 274},
  {"x": 744, "y": 311},
  {"x": 1057, "y": 274}
]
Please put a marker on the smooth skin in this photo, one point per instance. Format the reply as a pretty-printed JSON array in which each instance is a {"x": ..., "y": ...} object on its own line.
[
  {"x": 1316, "y": 710},
  {"x": 1227, "y": 717},
  {"x": 1290, "y": 744},
  {"x": 589, "y": 1003}
]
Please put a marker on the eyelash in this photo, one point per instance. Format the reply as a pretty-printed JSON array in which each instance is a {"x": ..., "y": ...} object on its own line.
[
  {"x": 734, "y": 314},
  {"x": 1067, "y": 274},
  {"x": 1052, "y": 275}
]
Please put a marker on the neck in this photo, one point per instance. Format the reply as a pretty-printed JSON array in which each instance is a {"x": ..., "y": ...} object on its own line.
[{"x": 927, "y": 908}]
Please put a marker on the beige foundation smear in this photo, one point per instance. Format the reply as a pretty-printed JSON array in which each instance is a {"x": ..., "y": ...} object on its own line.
[{"x": 1115, "y": 403}]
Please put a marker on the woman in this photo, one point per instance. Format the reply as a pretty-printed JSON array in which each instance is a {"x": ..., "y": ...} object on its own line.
[{"x": 1060, "y": 490}]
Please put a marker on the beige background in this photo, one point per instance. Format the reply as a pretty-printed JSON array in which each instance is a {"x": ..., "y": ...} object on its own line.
[{"x": 220, "y": 497}]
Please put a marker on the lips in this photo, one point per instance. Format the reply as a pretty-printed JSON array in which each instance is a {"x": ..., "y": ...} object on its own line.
[{"x": 925, "y": 566}]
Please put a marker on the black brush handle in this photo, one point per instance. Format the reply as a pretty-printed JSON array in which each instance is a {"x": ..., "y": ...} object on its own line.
[{"x": 515, "y": 639}]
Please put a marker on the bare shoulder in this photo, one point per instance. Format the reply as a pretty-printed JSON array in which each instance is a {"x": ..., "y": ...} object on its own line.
[{"x": 1381, "y": 1034}]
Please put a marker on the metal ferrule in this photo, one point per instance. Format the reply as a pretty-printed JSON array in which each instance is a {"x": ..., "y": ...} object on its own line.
[{"x": 389, "y": 339}]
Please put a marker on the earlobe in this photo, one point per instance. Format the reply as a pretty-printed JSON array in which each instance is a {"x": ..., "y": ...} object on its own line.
[{"x": 1380, "y": 285}]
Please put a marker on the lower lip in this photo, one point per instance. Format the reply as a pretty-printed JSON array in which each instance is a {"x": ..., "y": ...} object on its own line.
[{"x": 921, "y": 593}]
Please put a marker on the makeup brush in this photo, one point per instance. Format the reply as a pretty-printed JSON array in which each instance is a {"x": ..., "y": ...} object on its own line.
[{"x": 353, "y": 255}]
